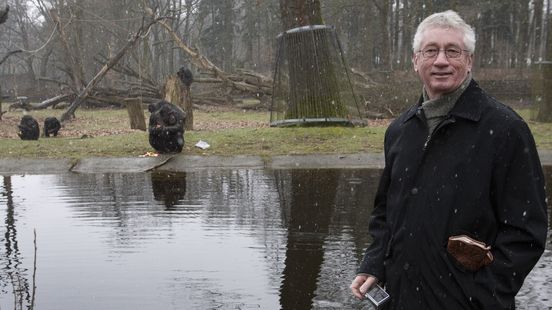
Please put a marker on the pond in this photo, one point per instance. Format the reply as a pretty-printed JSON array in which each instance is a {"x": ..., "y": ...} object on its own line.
[{"x": 206, "y": 239}]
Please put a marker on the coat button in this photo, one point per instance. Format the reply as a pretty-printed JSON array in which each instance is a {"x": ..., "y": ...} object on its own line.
[
  {"x": 406, "y": 266},
  {"x": 414, "y": 191}
]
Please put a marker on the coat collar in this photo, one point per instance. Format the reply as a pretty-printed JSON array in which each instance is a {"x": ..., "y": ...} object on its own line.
[{"x": 469, "y": 106}]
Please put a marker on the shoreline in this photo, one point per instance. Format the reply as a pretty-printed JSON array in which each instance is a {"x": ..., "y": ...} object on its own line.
[{"x": 182, "y": 162}]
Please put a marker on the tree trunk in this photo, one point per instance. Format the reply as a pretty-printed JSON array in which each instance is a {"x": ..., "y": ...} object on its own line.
[
  {"x": 20, "y": 17},
  {"x": 297, "y": 13},
  {"x": 544, "y": 73},
  {"x": 314, "y": 89},
  {"x": 72, "y": 62},
  {"x": 188, "y": 107},
  {"x": 178, "y": 94},
  {"x": 136, "y": 113},
  {"x": 313, "y": 85}
]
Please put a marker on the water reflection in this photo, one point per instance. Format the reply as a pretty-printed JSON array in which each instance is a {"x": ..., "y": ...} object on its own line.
[
  {"x": 13, "y": 277},
  {"x": 168, "y": 187},
  {"x": 228, "y": 239},
  {"x": 309, "y": 208}
]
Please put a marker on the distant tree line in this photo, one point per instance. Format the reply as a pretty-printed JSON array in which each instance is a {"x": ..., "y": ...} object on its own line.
[{"x": 65, "y": 42}]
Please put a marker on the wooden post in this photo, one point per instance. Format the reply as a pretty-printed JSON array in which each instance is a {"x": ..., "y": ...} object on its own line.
[
  {"x": 136, "y": 113},
  {"x": 189, "y": 125},
  {"x": 1, "y": 112}
]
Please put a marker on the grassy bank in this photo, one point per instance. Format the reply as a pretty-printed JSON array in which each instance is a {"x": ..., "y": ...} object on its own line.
[{"x": 106, "y": 133}]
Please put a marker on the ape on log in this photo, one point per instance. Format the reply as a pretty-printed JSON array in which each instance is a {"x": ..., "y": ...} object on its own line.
[
  {"x": 28, "y": 128},
  {"x": 185, "y": 76},
  {"x": 166, "y": 127},
  {"x": 4, "y": 14},
  {"x": 51, "y": 126}
]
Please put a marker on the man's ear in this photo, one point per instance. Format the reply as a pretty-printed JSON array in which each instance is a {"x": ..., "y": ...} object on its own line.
[
  {"x": 469, "y": 62},
  {"x": 415, "y": 61}
]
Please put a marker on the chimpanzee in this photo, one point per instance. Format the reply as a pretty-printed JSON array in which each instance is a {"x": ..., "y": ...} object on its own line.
[
  {"x": 185, "y": 76},
  {"x": 166, "y": 127},
  {"x": 28, "y": 128},
  {"x": 4, "y": 14},
  {"x": 51, "y": 126}
]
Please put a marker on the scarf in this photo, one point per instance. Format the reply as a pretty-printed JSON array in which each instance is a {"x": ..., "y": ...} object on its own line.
[{"x": 436, "y": 110}]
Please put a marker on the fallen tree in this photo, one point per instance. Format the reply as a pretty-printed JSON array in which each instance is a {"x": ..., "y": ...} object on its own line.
[
  {"x": 53, "y": 101},
  {"x": 243, "y": 82},
  {"x": 249, "y": 81}
]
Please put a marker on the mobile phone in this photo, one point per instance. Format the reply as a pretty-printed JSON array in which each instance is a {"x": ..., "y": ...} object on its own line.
[{"x": 377, "y": 295}]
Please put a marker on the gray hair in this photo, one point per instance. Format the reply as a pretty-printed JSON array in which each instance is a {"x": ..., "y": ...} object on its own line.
[{"x": 446, "y": 19}]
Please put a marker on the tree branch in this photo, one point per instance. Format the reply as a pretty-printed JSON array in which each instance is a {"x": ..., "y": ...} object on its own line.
[
  {"x": 70, "y": 113},
  {"x": 202, "y": 62},
  {"x": 9, "y": 54}
]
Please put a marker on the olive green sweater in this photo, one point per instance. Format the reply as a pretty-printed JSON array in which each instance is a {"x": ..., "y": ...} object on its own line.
[{"x": 436, "y": 110}]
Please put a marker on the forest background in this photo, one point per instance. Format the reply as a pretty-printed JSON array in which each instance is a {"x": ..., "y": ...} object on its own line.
[
  {"x": 58, "y": 46},
  {"x": 61, "y": 48}
]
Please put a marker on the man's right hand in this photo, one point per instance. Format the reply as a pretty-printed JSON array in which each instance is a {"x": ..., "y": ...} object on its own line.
[{"x": 361, "y": 284}]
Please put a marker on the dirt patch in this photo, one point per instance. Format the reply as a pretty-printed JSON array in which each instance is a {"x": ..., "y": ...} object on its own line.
[
  {"x": 76, "y": 128},
  {"x": 107, "y": 122},
  {"x": 115, "y": 122}
]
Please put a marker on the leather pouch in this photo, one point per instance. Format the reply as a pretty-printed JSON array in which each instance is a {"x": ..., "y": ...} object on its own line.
[{"x": 469, "y": 253}]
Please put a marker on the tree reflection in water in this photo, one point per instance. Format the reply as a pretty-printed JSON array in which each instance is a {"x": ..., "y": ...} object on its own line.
[
  {"x": 288, "y": 239},
  {"x": 13, "y": 277},
  {"x": 317, "y": 204},
  {"x": 311, "y": 203}
]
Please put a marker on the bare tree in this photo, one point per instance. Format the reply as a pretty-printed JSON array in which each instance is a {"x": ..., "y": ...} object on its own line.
[
  {"x": 545, "y": 103},
  {"x": 3, "y": 18},
  {"x": 70, "y": 113}
]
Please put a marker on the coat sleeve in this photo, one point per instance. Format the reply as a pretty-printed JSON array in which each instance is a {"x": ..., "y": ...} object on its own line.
[
  {"x": 519, "y": 201},
  {"x": 374, "y": 256}
]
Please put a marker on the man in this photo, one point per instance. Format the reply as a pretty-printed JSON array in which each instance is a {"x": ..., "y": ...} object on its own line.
[{"x": 459, "y": 163}]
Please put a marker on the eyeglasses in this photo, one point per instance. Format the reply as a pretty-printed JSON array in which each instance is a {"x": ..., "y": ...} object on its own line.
[{"x": 432, "y": 52}]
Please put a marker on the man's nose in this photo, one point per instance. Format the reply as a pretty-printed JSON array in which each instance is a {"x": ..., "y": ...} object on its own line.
[{"x": 441, "y": 58}]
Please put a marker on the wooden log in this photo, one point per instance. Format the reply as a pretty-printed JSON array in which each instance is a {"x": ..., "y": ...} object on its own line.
[
  {"x": 136, "y": 113},
  {"x": 172, "y": 91},
  {"x": 202, "y": 62},
  {"x": 53, "y": 101},
  {"x": 188, "y": 107},
  {"x": 175, "y": 92}
]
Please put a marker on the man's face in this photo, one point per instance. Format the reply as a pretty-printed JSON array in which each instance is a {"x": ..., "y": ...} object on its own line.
[{"x": 441, "y": 74}]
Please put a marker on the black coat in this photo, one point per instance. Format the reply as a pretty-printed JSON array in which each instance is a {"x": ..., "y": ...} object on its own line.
[{"x": 479, "y": 175}]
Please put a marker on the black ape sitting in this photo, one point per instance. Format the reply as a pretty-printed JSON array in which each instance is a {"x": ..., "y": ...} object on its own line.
[
  {"x": 51, "y": 126},
  {"x": 166, "y": 127},
  {"x": 28, "y": 128},
  {"x": 185, "y": 76}
]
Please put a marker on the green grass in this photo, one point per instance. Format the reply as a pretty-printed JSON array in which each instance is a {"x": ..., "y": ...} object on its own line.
[
  {"x": 278, "y": 141},
  {"x": 105, "y": 134},
  {"x": 244, "y": 141},
  {"x": 542, "y": 132}
]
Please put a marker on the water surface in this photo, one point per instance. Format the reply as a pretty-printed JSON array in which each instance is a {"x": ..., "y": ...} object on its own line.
[{"x": 209, "y": 239}]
